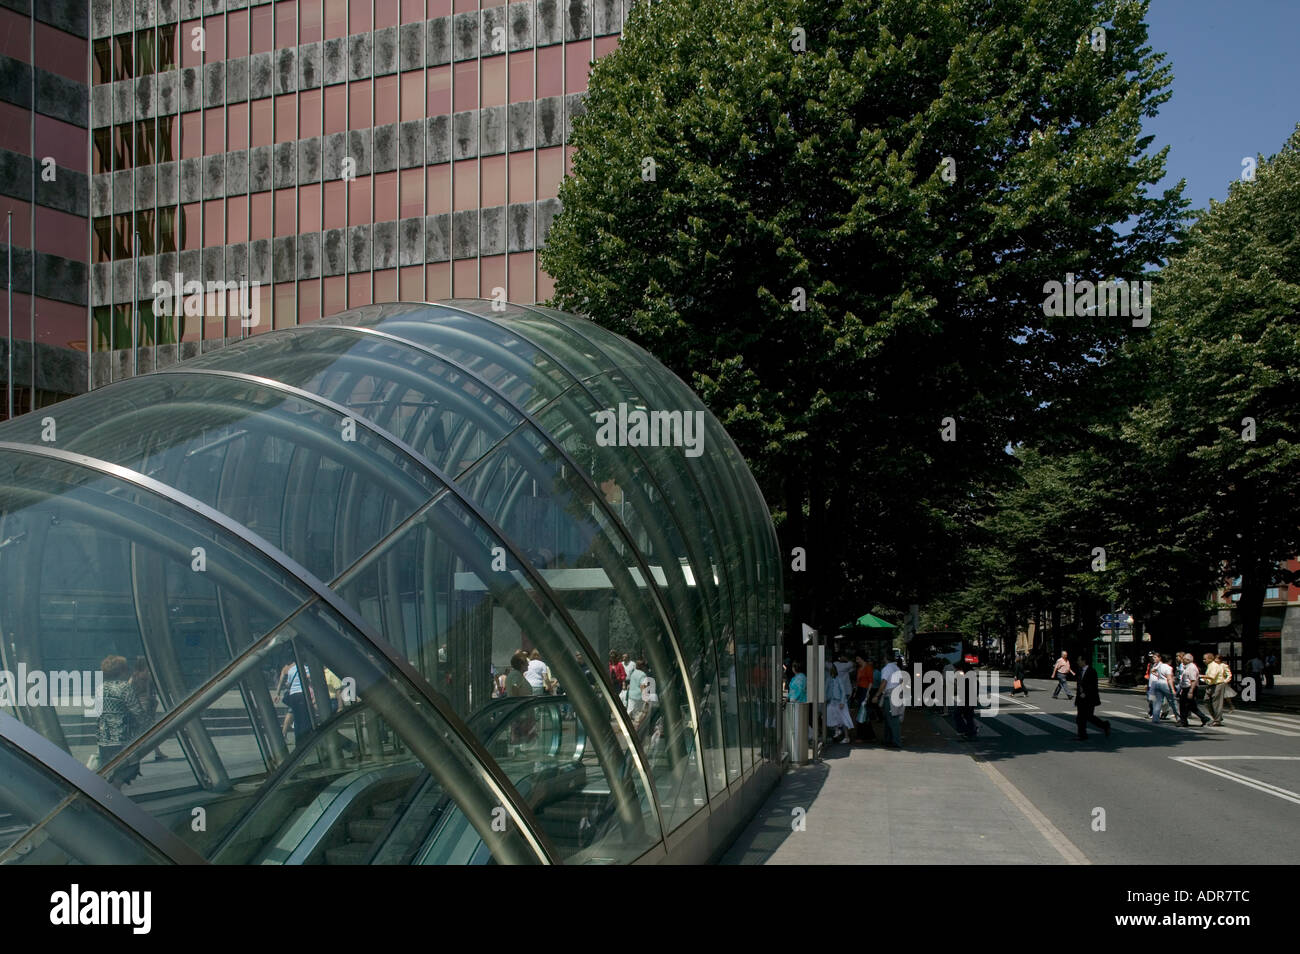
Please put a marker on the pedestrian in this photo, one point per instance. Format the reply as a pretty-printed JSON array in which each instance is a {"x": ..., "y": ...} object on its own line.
[
  {"x": 1270, "y": 668},
  {"x": 295, "y": 698},
  {"x": 1061, "y": 670},
  {"x": 839, "y": 719},
  {"x": 963, "y": 712},
  {"x": 1087, "y": 699},
  {"x": 1188, "y": 681},
  {"x": 617, "y": 674},
  {"x": 1018, "y": 683},
  {"x": 633, "y": 699},
  {"x": 892, "y": 704},
  {"x": 1160, "y": 688},
  {"x": 538, "y": 675},
  {"x": 142, "y": 683},
  {"x": 1215, "y": 679},
  {"x": 1229, "y": 693},
  {"x": 1257, "y": 672},
  {"x": 861, "y": 704},
  {"x": 649, "y": 696},
  {"x": 120, "y": 716},
  {"x": 798, "y": 691}
]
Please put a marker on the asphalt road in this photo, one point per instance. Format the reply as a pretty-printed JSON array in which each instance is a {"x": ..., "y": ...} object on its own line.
[{"x": 1167, "y": 795}]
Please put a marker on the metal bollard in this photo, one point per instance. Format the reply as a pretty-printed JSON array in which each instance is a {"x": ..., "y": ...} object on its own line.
[{"x": 799, "y": 726}]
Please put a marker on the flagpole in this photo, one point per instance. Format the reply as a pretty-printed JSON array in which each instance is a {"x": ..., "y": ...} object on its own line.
[
  {"x": 135, "y": 308},
  {"x": 10, "y": 286}
]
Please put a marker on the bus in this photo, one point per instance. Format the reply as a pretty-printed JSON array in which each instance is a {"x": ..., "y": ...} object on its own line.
[{"x": 938, "y": 649}]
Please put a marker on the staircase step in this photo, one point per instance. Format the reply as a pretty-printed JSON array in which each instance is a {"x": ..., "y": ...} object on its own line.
[
  {"x": 349, "y": 854},
  {"x": 367, "y": 830}
]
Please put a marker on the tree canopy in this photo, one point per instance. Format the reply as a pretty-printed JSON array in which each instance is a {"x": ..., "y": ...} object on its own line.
[{"x": 836, "y": 222}]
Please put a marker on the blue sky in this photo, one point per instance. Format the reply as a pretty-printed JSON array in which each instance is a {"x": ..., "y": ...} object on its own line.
[{"x": 1236, "y": 87}]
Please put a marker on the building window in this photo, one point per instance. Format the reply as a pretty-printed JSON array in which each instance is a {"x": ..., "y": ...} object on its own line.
[
  {"x": 439, "y": 87},
  {"x": 386, "y": 100},
  {"x": 103, "y": 244},
  {"x": 412, "y": 96},
  {"x": 336, "y": 22},
  {"x": 123, "y": 56},
  {"x": 167, "y": 229},
  {"x": 261, "y": 33},
  {"x": 309, "y": 117},
  {"x": 359, "y": 105},
  {"x": 103, "y": 61},
  {"x": 237, "y": 34},
  {"x": 103, "y": 155},
  {"x": 286, "y": 24}
]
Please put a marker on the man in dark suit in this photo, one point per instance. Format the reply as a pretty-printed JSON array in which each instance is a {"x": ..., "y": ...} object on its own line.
[{"x": 1087, "y": 697}]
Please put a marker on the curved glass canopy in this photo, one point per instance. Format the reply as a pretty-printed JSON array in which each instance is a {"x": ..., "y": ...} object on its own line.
[{"x": 417, "y": 584}]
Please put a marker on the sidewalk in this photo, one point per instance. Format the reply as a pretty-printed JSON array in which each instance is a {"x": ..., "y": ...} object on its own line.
[{"x": 929, "y": 803}]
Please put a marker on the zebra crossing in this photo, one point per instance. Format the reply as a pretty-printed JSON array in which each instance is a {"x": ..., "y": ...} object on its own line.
[{"x": 1023, "y": 719}]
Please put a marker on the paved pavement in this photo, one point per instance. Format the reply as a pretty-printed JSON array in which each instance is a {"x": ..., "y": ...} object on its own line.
[{"x": 1026, "y": 792}]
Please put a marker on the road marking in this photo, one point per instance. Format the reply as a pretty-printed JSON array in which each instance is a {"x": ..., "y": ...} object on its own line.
[
  {"x": 1276, "y": 791},
  {"x": 1054, "y": 836},
  {"x": 1259, "y": 725},
  {"x": 1206, "y": 730},
  {"x": 1012, "y": 701},
  {"x": 1024, "y": 728},
  {"x": 1289, "y": 721},
  {"x": 1066, "y": 722}
]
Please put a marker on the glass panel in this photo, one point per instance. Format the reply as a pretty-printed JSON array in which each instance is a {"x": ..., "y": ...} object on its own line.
[
  {"x": 127, "y": 591},
  {"x": 471, "y": 630},
  {"x": 226, "y": 441},
  {"x": 509, "y": 364},
  {"x": 441, "y": 412},
  {"x": 386, "y": 105},
  {"x": 370, "y": 772},
  {"x": 80, "y": 834}
]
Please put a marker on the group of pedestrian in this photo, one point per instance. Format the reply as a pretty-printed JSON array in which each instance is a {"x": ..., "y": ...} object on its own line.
[
  {"x": 631, "y": 680},
  {"x": 858, "y": 697},
  {"x": 1168, "y": 689},
  {"x": 1176, "y": 690},
  {"x": 298, "y": 695}
]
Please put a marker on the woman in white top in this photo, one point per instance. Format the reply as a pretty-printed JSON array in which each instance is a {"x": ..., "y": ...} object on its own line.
[{"x": 649, "y": 696}]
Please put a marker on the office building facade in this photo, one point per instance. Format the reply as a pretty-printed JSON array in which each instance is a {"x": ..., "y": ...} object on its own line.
[{"x": 293, "y": 159}]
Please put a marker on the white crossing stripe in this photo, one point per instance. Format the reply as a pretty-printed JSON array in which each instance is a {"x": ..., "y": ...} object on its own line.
[
  {"x": 1058, "y": 720},
  {"x": 985, "y": 727},
  {"x": 1260, "y": 725},
  {"x": 1288, "y": 722},
  {"x": 1016, "y": 724},
  {"x": 1146, "y": 720}
]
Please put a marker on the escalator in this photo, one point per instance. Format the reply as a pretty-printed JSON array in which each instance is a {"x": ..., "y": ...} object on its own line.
[{"x": 391, "y": 810}]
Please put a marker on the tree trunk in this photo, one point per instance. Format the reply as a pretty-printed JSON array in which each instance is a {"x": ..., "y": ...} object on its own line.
[{"x": 1250, "y": 608}]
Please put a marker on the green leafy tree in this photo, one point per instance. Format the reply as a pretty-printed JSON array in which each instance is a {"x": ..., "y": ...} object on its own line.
[
  {"x": 835, "y": 220},
  {"x": 1217, "y": 440}
]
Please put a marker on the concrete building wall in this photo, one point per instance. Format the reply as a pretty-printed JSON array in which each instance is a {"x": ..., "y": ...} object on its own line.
[
  {"x": 410, "y": 151},
  {"x": 45, "y": 181}
]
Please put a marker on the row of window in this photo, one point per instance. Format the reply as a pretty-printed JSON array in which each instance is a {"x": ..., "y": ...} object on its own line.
[
  {"x": 363, "y": 104},
  {"x": 322, "y": 297},
  {"x": 428, "y": 190},
  {"x": 290, "y": 117},
  {"x": 244, "y": 33}
]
